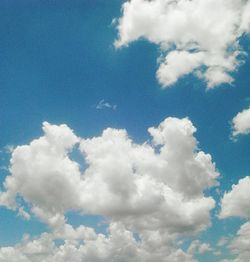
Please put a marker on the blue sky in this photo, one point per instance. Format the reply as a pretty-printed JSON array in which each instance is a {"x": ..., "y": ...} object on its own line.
[{"x": 58, "y": 61}]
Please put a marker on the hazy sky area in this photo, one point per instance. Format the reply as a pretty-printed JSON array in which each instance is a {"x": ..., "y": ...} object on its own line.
[{"x": 125, "y": 131}]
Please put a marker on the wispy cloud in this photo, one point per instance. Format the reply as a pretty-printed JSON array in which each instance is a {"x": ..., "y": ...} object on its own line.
[
  {"x": 9, "y": 149},
  {"x": 104, "y": 104}
]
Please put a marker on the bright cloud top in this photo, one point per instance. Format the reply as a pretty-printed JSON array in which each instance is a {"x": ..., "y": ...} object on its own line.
[
  {"x": 200, "y": 37},
  {"x": 153, "y": 189},
  {"x": 241, "y": 123}
]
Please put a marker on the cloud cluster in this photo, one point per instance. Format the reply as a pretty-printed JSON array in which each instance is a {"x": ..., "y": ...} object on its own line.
[
  {"x": 240, "y": 245},
  {"x": 119, "y": 245},
  {"x": 237, "y": 201},
  {"x": 200, "y": 37},
  {"x": 197, "y": 247},
  {"x": 154, "y": 189},
  {"x": 241, "y": 123}
]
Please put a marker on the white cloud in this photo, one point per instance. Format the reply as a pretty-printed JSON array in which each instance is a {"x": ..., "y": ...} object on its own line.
[
  {"x": 43, "y": 174},
  {"x": 241, "y": 123},
  {"x": 176, "y": 64},
  {"x": 22, "y": 213},
  {"x": 197, "y": 247},
  {"x": 123, "y": 180},
  {"x": 102, "y": 104},
  {"x": 240, "y": 244},
  {"x": 193, "y": 35},
  {"x": 237, "y": 201},
  {"x": 154, "y": 189},
  {"x": 9, "y": 149},
  {"x": 160, "y": 190},
  {"x": 119, "y": 245}
]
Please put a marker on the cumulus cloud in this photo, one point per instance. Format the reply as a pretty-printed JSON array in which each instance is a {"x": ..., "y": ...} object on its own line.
[
  {"x": 193, "y": 35},
  {"x": 43, "y": 174},
  {"x": 240, "y": 244},
  {"x": 119, "y": 245},
  {"x": 237, "y": 201},
  {"x": 154, "y": 189},
  {"x": 241, "y": 123},
  {"x": 197, "y": 247}
]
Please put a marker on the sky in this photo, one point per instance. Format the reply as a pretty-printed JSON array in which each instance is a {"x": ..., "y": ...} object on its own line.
[{"x": 125, "y": 131}]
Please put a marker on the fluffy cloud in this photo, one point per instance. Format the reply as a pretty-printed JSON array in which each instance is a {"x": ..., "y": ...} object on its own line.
[
  {"x": 119, "y": 245},
  {"x": 240, "y": 245},
  {"x": 165, "y": 188},
  {"x": 154, "y": 189},
  {"x": 44, "y": 175},
  {"x": 197, "y": 247},
  {"x": 194, "y": 36},
  {"x": 237, "y": 201},
  {"x": 241, "y": 123}
]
